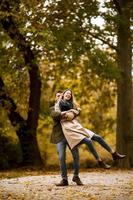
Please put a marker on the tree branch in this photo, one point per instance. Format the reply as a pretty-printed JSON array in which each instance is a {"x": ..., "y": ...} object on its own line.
[
  {"x": 9, "y": 105},
  {"x": 117, "y": 6},
  {"x": 12, "y": 30},
  {"x": 104, "y": 41},
  {"x": 5, "y": 100}
]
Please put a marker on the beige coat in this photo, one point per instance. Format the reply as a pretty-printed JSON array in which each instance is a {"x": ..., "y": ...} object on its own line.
[{"x": 74, "y": 132}]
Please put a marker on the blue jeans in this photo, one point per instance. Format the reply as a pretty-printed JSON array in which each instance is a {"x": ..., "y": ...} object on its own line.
[
  {"x": 102, "y": 142},
  {"x": 61, "y": 149},
  {"x": 90, "y": 146}
]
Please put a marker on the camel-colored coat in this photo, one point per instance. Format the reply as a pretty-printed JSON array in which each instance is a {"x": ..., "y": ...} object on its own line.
[{"x": 74, "y": 132}]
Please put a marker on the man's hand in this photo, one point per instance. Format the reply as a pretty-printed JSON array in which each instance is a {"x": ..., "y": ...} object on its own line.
[{"x": 69, "y": 116}]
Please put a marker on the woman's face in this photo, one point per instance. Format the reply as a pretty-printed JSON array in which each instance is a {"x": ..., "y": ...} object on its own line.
[{"x": 67, "y": 95}]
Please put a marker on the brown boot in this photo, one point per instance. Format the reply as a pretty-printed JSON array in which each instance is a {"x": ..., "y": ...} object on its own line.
[
  {"x": 77, "y": 180},
  {"x": 117, "y": 156},
  {"x": 63, "y": 182},
  {"x": 103, "y": 165}
]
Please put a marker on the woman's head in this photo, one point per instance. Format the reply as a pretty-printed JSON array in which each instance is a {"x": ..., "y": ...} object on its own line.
[{"x": 67, "y": 95}]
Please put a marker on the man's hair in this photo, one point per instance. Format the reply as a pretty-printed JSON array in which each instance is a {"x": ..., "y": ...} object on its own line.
[{"x": 59, "y": 91}]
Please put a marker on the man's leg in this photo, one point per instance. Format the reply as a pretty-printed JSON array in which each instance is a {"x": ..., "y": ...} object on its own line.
[
  {"x": 61, "y": 149},
  {"x": 75, "y": 154}
]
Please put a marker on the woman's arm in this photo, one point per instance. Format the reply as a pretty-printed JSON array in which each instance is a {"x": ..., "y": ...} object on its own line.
[{"x": 76, "y": 110}]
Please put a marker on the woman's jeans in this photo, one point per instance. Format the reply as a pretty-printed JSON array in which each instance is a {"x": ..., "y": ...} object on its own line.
[
  {"x": 61, "y": 149},
  {"x": 90, "y": 146}
]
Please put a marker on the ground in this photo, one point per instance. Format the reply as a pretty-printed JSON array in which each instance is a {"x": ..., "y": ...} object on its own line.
[{"x": 98, "y": 185}]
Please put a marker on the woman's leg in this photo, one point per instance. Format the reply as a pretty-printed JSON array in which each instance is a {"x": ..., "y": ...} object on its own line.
[
  {"x": 101, "y": 141},
  {"x": 90, "y": 146},
  {"x": 88, "y": 142}
]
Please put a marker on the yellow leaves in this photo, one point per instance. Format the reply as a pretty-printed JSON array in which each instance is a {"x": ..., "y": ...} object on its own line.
[
  {"x": 27, "y": 183},
  {"x": 98, "y": 185},
  {"x": 31, "y": 3}
]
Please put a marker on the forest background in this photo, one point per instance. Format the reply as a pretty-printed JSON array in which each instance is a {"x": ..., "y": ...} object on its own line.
[{"x": 46, "y": 46}]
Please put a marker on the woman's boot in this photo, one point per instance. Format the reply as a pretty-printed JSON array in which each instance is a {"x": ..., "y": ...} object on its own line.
[
  {"x": 117, "y": 156},
  {"x": 103, "y": 165}
]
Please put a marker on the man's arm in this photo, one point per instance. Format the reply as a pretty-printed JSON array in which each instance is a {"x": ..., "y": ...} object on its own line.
[{"x": 56, "y": 115}]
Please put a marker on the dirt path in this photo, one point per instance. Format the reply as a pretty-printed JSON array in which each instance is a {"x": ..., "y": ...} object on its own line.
[{"x": 99, "y": 185}]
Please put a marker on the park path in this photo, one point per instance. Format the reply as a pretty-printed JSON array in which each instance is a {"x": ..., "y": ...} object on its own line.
[{"x": 98, "y": 185}]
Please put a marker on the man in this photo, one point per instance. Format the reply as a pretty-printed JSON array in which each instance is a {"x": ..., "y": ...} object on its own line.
[{"x": 57, "y": 137}]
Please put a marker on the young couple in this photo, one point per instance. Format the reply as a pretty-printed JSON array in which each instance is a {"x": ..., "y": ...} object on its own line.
[{"x": 67, "y": 131}]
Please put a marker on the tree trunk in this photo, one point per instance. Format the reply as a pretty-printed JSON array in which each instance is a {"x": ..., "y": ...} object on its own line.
[
  {"x": 125, "y": 91},
  {"x": 27, "y": 138},
  {"x": 26, "y": 130},
  {"x": 26, "y": 134}
]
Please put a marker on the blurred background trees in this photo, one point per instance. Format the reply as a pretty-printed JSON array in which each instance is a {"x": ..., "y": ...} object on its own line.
[{"x": 50, "y": 45}]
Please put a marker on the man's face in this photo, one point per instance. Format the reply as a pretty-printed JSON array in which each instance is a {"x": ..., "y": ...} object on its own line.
[{"x": 58, "y": 96}]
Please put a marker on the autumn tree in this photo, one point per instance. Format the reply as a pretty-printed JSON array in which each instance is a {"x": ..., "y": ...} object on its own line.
[
  {"x": 66, "y": 34},
  {"x": 25, "y": 128},
  {"x": 125, "y": 84},
  {"x": 79, "y": 37}
]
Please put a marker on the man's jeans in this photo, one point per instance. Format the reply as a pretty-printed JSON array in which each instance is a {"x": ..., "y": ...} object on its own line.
[{"x": 61, "y": 149}]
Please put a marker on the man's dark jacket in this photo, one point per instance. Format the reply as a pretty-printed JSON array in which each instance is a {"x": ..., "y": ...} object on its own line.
[{"x": 57, "y": 133}]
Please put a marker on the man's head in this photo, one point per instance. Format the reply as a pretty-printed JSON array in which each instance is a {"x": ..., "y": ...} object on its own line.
[{"x": 58, "y": 95}]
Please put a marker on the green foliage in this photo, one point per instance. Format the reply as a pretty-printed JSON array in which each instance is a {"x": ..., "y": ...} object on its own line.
[
  {"x": 10, "y": 153},
  {"x": 103, "y": 65}
]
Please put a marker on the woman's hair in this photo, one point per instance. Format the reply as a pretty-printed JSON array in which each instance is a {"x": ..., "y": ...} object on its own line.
[
  {"x": 71, "y": 94},
  {"x": 72, "y": 98}
]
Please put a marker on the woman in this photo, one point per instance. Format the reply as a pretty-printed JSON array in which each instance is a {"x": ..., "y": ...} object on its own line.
[{"x": 76, "y": 134}]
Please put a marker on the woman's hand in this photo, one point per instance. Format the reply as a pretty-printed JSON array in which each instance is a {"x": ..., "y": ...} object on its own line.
[
  {"x": 76, "y": 112},
  {"x": 63, "y": 113}
]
